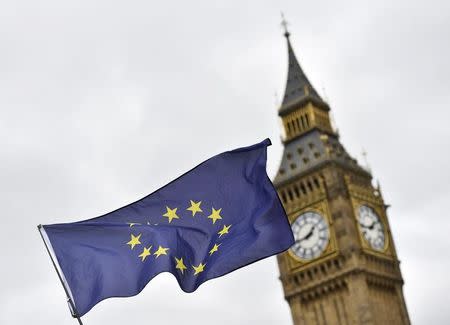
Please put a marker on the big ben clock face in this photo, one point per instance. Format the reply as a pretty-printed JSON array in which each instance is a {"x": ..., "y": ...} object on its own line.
[
  {"x": 311, "y": 235},
  {"x": 371, "y": 227}
]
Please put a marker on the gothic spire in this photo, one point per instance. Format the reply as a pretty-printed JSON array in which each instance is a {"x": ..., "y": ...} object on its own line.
[{"x": 298, "y": 87}]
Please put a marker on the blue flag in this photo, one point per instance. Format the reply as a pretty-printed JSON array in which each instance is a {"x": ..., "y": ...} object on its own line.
[{"x": 218, "y": 217}]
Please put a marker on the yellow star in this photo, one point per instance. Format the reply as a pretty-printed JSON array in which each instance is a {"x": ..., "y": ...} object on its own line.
[
  {"x": 215, "y": 215},
  {"x": 199, "y": 269},
  {"x": 133, "y": 224},
  {"x": 146, "y": 252},
  {"x": 171, "y": 214},
  {"x": 214, "y": 249},
  {"x": 180, "y": 265},
  {"x": 161, "y": 251},
  {"x": 195, "y": 207},
  {"x": 134, "y": 240},
  {"x": 224, "y": 230}
]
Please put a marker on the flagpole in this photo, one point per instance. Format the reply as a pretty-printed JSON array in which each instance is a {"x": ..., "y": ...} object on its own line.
[{"x": 69, "y": 300}]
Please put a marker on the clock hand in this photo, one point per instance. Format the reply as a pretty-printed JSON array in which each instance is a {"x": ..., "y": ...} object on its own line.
[
  {"x": 307, "y": 236},
  {"x": 300, "y": 239},
  {"x": 310, "y": 233}
]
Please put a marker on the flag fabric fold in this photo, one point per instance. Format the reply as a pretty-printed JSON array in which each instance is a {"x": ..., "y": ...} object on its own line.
[{"x": 220, "y": 216}]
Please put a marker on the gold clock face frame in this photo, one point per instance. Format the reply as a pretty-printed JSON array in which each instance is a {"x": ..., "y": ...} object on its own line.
[
  {"x": 312, "y": 236},
  {"x": 372, "y": 228}
]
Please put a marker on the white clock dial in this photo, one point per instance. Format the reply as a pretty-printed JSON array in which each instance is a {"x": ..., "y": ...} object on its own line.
[
  {"x": 371, "y": 227},
  {"x": 311, "y": 235}
]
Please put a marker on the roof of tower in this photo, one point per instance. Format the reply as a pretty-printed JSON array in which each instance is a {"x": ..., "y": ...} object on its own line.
[
  {"x": 311, "y": 151},
  {"x": 298, "y": 88}
]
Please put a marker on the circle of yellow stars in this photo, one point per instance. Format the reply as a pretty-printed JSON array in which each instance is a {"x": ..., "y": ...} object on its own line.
[{"x": 171, "y": 215}]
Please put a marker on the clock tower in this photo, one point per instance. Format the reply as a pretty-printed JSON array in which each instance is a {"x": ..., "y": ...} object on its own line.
[{"x": 343, "y": 268}]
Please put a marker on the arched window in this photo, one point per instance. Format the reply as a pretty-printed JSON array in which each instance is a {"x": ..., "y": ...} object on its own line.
[
  {"x": 316, "y": 182},
  {"x": 303, "y": 122},
  {"x": 298, "y": 124},
  {"x": 302, "y": 186},
  {"x": 291, "y": 197}
]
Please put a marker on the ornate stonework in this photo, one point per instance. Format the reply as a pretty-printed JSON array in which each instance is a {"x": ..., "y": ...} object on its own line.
[{"x": 343, "y": 268}]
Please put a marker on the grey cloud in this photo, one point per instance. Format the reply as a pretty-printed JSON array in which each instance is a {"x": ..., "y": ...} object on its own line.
[{"x": 102, "y": 102}]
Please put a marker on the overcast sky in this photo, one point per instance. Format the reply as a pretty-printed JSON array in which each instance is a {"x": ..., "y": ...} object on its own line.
[{"x": 102, "y": 102}]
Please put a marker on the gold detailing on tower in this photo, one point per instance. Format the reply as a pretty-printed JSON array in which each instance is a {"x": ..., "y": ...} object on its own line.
[
  {"x": 306, "y": 90},
  {"x": 302, "y": 193},
  {"x": 331, "y": 249},
  {"x": 304, "y": 119},
  {"x": 366, "y": 194}
]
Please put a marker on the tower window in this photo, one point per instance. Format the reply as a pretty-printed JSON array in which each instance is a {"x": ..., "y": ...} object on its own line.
[
  {"x": 302, "y": 186},
  {"x": 316, "y": 182},
  {"x": 306, "y": 160},
  {"x": 288, "y": 155},
  {"x": 294, "y": 127},
  {"x": 291, "y": 197},
  {"x": 297, "y": 192},
  {"x": 281, "y": 171},
  {"x": 310, "y": 186},
  {"x": 307, "y": 120},
  {"x": 300, "y": 151},
  {"x": 311, "y": 145},
  {"x": 293, "y": 166},
  {"x": 317, "y": 154},
  {"x": 336, "y": 264},
  {"x": 288, "y": 125},
  {"x": 283, "y": 197}
]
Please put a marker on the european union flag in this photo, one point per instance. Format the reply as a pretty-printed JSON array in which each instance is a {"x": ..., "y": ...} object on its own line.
[{"x": 219, "y": 216}]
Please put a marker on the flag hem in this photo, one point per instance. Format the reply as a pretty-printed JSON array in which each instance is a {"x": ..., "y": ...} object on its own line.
[
  {"x": 59, "y": 270},
  {"x": 265, "y": 143}
]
